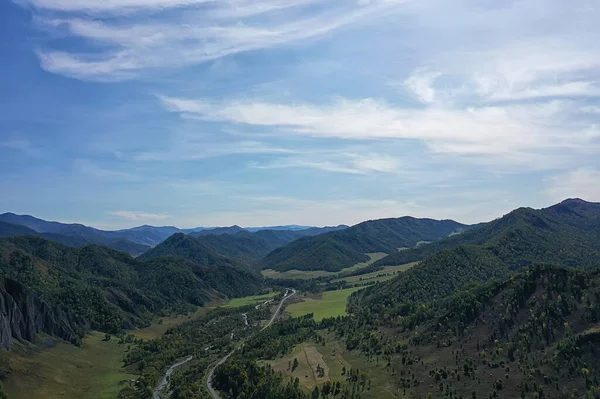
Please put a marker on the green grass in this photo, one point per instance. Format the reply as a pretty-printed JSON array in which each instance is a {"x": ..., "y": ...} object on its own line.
[
  {"x": 387, "y": 273},
  {"x": 305, "y": 275},
  {"x": 66, "y": 371},
  {"x": 161, "y": 324},
  {"x": 327, "y": 304},
  {"x": 249, "y": 300},
  {"x": 335, "y": 358}
]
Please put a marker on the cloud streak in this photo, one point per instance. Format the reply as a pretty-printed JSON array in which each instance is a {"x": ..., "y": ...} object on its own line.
[
  {"x": 482, "y": 130},
  {"x": 138, "y": 216},
  {"x": 208, "y": 34}
]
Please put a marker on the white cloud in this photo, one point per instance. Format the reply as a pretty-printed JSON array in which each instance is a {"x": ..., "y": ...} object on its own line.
[
  {"x": 582, "y": 183},
  {"x": 491, "y": 130},
  {"x": 87, "y": 167},
  {"x": 189, "y": 149},
  {"x": 138, "y": 216},
  {"x": 421, "y": 84},
  {"x": 109, "y": 5},
  {"x": 203, "y": 36},
  {"x": 225, "y": 9},
  {"x": 338, "y": 161}
]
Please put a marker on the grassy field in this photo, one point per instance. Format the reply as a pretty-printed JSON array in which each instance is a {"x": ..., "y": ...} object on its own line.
[
  {"x": 387, "y": 273},
  {"x": 334, "y": 359},
  {"x": 250, "y": 300},
  {"x": 305, "y": 275},
  {"x": 162, "y": 324},
  {"x": 309, "y": 356},
  {"x": 66, "y": 371},
  {"x": 326, "y": 304}
]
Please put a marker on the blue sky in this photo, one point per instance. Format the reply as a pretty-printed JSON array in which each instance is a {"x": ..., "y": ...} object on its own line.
[{"x": 117, "y": 113}]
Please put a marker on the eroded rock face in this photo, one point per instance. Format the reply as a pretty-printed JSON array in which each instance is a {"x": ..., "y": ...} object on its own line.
[{"x": 23, "y": 315}]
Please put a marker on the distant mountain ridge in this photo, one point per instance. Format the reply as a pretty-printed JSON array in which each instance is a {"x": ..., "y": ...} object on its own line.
[
  {"x": 565, "y": 234},
  {"x": 241, "y": 246},
  {"x": 572, "y": 214},
  {"x": 135, "y": 240},
  {"x": 336, "y": 250},
  {"x": 123, "y": 245}
]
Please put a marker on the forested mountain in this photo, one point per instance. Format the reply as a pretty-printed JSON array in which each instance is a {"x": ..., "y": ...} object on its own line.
[
  {"x": 217, "y": 231},
  {"x": 103, "y": 289},
  {"x": 533, "y": 335},
  {"x": 138, "y": 240},
  {"x": 559, "y": 223},
  {"x": 566, "y": 234},
  {"x": 236, "y": 244},
  {"x": 68, "y": 234},
  {"x": 122, "y": 245},
  {"x": 340, "y": 249}
]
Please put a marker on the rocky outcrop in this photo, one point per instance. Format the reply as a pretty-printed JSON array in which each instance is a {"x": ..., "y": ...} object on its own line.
[{"x": 23, "y": 315}]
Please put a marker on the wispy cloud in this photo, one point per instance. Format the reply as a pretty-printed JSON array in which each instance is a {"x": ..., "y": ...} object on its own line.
[
  {"x": 138, "y": 216},
  {"x": 207, "y": 34},
  {"x": 188, "y": 149},
  {"x": 421, "y": 84},
  {"x": 20, "y": 145},
  {"x": 492, "y": 130},
  {"x": 87, "y": 167},
  {"x": 338, "y": 161}
]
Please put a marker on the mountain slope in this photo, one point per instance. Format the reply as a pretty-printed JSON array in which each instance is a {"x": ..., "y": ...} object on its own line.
[
  {"x": 340, "y": 249},
  {"x": 188, "y": 247},
  {"x": 123, "y": 245},
  {"x": 573, "y": 216},
  {"x": 535, "y": 334},
  {"x": 232, "y": 244},
  {"x": 566, "y": 234},
  {"x": 108, "y": 290}
]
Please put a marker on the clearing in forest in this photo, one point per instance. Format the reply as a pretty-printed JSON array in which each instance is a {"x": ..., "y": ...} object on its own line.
[
  {"x": 311, "y": 368},
  {"x": 250, "y": 300},
  {"x": 327, "y": 304}
]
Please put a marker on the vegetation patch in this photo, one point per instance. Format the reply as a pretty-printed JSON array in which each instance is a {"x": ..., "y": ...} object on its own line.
[
  {"x": 161, "y": 324},
  {"x": 387, "y": 273},
  {"x": 306, "y": 363},
  {"x": 250, "y": 300},
  {"x": 67, "y": 371},
  {"x": 308, "y": 274},
  {"x": 328, "y": 304}
]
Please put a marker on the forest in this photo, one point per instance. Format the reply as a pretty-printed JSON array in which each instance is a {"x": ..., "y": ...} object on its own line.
[{"x": 505, "y": 309}]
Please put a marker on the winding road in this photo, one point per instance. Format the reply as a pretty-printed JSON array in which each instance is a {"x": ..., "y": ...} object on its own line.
[
  {"x": 165, "y": 380},
  {"x": 213, "y": 393}
]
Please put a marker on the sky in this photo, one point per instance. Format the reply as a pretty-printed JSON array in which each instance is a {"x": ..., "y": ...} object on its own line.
[{"x": 118, "y": 113}]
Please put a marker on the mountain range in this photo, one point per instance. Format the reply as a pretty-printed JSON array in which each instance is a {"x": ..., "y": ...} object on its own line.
[
  {"x": 134, "y": 241},
  {"x": 336, "y": 250}
]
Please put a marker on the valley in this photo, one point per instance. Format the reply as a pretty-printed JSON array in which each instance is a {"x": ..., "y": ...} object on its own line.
[
  {"x": 505, "y": 309},
  {"x": 322, "y": 305}
]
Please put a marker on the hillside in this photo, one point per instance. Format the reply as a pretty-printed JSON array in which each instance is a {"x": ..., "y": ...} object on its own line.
[
  {"x": 75, "y": 235},
  {"x": 337, "y": 250},
  {"x": 191, "y": 248},
  {"x": 568, "y": 218},
  {"x": 565, "y": 234},
  {"x": 535, "y": 334},
  {"x": 230, "y": 244},
  {"x": 108, "y": 290}
]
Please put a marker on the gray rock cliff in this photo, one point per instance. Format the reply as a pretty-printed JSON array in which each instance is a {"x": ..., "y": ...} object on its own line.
[{"x": 23, "y": 315}]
